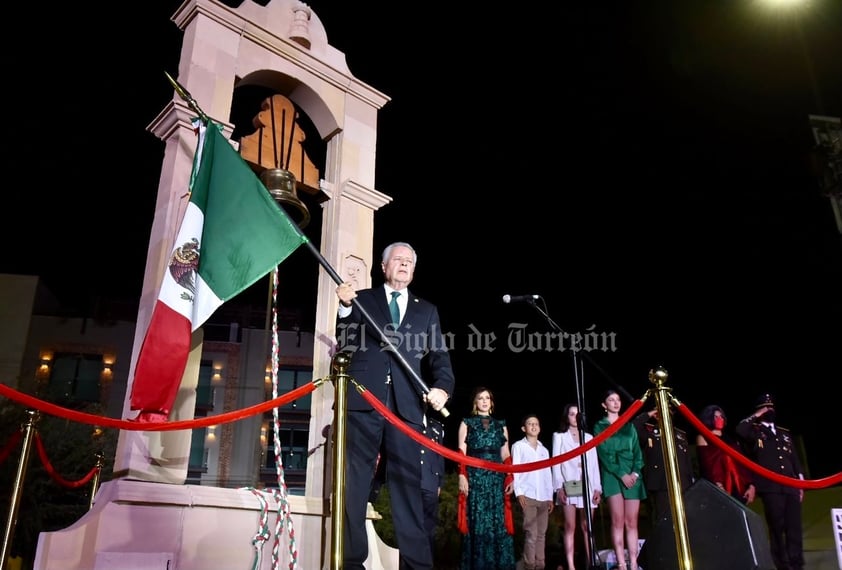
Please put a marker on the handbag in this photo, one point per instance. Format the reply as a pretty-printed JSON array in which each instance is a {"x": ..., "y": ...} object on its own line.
[{"x": 573, "y": 488}]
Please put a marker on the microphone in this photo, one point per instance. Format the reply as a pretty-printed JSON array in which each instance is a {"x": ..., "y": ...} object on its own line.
[{"x": 520, "y": 298}]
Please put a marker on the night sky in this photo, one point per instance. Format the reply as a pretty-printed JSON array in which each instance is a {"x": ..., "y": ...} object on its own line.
[{"x": 642, "y": 166}]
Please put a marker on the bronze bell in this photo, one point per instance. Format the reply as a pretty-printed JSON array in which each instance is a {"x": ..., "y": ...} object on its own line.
[{"x": 281, "y": 185}]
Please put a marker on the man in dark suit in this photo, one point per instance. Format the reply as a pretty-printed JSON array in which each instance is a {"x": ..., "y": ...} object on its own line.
[
  {"x": 654, "y": 472},
  {"x": 773, "y": 447},
  {"x": 414, "y": 329}
]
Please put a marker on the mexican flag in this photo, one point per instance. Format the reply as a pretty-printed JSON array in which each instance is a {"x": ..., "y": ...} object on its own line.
[{"x": 233, "y": 233}]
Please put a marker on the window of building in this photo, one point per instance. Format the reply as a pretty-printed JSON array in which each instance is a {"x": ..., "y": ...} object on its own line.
[
  {"x": 204, "y": 389},
  {"x": 75, "y": 377},
  {"x": 290, "y": 379},
  {"x": 198, "y": 462},
  {"x": 293, "y": 441}
]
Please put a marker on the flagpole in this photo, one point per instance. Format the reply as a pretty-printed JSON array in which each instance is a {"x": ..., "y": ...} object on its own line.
[
  {"x": 185, "y": 95},
  {"x": 384, "y": 338}
]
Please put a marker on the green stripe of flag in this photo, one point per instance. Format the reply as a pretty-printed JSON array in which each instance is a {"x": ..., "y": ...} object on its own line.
[{"x": 245, "y": 233}]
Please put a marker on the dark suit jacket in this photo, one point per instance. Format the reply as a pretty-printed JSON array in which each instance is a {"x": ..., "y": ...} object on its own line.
[{"x": 418, "y": 338}]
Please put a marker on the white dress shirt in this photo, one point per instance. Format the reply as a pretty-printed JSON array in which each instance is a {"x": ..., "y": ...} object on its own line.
[
  {"x": 538, "y": 483},
  {"x": 403, "y": 299}
]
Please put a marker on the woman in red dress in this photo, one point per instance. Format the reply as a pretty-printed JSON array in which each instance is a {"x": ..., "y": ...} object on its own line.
[{"x": 716, "y": 465}]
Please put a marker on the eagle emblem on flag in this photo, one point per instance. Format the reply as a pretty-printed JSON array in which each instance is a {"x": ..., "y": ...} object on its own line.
[{"x": 184, "y": 263}]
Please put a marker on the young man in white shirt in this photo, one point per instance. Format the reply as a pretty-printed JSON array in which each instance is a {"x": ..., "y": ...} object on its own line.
[{"x": 534, "y": 492}]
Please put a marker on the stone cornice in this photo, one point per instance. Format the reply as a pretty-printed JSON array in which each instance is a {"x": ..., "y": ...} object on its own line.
[
  {"x": 177, "y": 115},
  {"x": 282, "y": 47},
  {"x": 360, "y": 194}
]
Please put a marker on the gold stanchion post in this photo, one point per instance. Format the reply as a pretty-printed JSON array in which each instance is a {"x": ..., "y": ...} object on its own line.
[
  {"x": 339, "y": 365},
  {"x": 659, "y": 377},
  {"x": 95, "y": 481},
  {"x": 17, "y": 489}
]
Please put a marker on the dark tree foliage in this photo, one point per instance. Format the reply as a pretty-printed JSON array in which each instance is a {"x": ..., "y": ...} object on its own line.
[
  {"x": 46, "y": 505},
  {"x": 448, "y": 539}
]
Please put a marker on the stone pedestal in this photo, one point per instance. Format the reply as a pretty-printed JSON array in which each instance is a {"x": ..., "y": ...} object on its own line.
[{"x": 138, "y": 525}]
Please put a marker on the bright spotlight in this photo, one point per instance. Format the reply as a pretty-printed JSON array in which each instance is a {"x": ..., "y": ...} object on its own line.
[{"x": 783, "y": 5}]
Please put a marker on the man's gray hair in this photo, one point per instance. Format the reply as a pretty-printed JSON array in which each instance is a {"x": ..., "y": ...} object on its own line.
[{"x": 388, "y": 251}]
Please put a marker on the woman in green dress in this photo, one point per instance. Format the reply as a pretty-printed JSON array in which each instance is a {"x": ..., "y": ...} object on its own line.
[
  {"x": 620, "y": 463},
  {"x": 487, "y": 541}
]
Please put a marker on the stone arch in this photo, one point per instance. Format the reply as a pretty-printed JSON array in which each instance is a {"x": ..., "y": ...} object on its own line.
[{"x": 326, "y": 121}]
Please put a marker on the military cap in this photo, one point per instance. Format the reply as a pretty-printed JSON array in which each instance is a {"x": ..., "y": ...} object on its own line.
[{"x": 764, "y": 401}]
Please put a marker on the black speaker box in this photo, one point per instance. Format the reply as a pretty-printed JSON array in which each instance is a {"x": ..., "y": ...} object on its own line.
[{"x": 723, "y": 534}]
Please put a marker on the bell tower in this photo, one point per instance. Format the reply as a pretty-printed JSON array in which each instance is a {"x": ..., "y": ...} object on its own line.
[{"x": 281, "y": 48}]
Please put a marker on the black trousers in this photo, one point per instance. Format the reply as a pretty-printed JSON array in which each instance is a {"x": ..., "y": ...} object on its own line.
[
  {"x": 783, "y": 517},
  {"x": 365, "y": 433}
]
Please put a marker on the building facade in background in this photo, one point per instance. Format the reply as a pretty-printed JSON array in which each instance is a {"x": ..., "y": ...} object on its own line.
[{"x": 72, "y": 359}]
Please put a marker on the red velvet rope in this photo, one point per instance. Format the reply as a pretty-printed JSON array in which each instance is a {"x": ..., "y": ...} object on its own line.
[
  {"x": 461, "y": 458},
  {"x": 129, "y": 425},
  {"x": 745, "y": 461},
  {"x": 42, "y": 453},
  {"x": 510, "y": 477},
  {"x": 103, "y": 421},
  {"x": 456, "y": 456},
  {"x": 10, "y": 445}
]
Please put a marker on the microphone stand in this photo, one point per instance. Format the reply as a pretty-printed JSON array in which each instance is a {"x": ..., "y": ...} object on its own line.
[{"x": 578, "y": 375}]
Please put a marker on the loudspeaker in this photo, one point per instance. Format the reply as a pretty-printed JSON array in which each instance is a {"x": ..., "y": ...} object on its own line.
[{"x": 723, "y": 534}]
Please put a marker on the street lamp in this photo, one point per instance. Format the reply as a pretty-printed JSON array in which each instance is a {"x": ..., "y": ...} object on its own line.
[{"x": 826, "y": 161}]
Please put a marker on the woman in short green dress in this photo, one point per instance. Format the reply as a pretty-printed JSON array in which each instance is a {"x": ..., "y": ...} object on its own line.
[
  {"x": 487, "y": 544},
  {"x": 620, "y": 463}
]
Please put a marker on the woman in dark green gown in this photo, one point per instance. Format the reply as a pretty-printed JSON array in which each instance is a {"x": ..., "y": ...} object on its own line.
[{"x": 487, "y": 545}]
